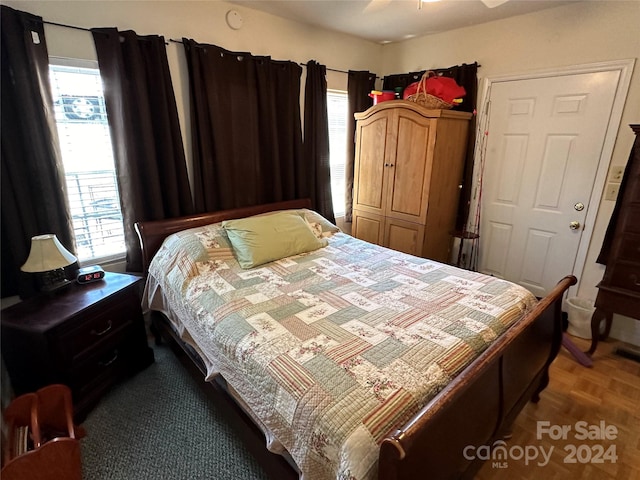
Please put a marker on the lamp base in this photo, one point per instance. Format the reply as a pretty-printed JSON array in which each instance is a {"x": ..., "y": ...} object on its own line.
[{"x": 53, "y": 280}]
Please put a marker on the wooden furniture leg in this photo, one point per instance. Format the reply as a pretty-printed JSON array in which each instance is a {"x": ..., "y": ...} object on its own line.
[
  {"x": 596, "y": 320},
  {"x": 607, "y": 326}
]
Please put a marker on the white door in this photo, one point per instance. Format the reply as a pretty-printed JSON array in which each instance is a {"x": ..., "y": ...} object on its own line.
[{"x": 544, "y": 144}]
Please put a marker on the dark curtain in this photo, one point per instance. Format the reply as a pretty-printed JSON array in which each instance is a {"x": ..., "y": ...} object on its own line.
[
  {"x": 33, "y": 187},
  {"x": 246, "y": 129},
  {"x": 609, "y": 236},
  {"x": 467, "y": 77},
  {"x": 143, "y": 118},
  {"x": 316, "y": 139},
  {"x": 359, "y": 85},
  {"x": 391, "y": 82}
]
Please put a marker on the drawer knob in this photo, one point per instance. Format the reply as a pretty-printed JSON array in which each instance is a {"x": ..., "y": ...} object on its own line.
[
  {"x": 102, "y": 332},
  {"x": 634, "y": 279}
]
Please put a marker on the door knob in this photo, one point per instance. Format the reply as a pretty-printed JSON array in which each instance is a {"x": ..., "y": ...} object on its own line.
[
  {"x": 579, "y": 206},
  {"x": 574, "y": 225}
]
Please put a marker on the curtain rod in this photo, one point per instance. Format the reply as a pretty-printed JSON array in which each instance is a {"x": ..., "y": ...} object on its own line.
[
  {"x": 76, "y": 28},
  {"x": 335, "y": 69},
  {"x": 180, "y": 41},
  {"x": 166, "y": 43},
  {"x": 66, "y": 26},
  {"x": 301, "y": 64}
]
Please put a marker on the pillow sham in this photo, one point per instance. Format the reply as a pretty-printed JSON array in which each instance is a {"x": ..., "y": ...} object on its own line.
[
  {"x": 261, "y": 239},
  {"x": 314, "y": 217},
  {"x": 311, "y": 217}
]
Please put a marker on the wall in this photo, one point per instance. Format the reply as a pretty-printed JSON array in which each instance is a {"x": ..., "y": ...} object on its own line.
[{"x": 581, "y": 33}]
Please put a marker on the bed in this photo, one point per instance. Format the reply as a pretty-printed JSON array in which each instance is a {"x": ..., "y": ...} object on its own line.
[{"x": 355, "y": 361}]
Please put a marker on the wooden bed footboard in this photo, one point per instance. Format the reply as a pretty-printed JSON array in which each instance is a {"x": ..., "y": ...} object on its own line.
[
  {"x": 479, "y": 406},
  {"x": 475, "y": 409}
]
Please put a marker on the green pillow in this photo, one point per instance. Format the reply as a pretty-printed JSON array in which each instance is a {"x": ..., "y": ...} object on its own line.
[
  {"x": 261, "y": 239},
  {"x": 315, "y": 217},
  {"x": 310, "y": 216}
]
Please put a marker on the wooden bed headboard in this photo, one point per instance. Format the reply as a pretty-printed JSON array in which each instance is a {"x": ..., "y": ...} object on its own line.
[{"x": 152, "y": 233}]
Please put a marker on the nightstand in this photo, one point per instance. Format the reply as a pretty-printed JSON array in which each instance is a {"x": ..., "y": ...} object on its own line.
[{"x": 87, "y": 337}]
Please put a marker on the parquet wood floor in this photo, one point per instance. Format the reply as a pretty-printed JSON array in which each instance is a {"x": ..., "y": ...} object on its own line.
[{"x": 608, "y": 392}]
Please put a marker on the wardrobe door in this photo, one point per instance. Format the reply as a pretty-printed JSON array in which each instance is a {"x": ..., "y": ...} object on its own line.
[
  {"x": 403, "y": 236},
  {"x": 410, "y": 167},
  {"x": 369, "y": 172},
  {"x": 368, "y": 227}
]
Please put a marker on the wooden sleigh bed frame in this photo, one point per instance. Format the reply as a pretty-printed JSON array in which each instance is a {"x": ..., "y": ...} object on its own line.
[{"x": 477, "y": 408}]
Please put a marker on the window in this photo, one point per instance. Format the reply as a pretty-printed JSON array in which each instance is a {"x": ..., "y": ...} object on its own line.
[
  {"x": 337, "y": 110},
  {"x": 87, "y": 156}
]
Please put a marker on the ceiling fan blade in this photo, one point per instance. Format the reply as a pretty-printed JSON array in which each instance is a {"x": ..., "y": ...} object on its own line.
[
  {"x": 375, "y": 5},
  {"x": 494, "y": 3}
]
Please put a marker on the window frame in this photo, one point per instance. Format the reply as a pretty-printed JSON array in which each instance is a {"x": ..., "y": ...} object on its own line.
[
  {"x": 339, "y": 213},
  {"x": 113, "y": 258}
]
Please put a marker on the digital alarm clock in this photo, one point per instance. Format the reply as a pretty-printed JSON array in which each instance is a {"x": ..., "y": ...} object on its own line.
[{"x": 89, "y": 274}]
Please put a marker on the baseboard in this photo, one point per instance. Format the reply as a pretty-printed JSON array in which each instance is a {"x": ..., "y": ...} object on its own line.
[{"x": 626, "y": 329}]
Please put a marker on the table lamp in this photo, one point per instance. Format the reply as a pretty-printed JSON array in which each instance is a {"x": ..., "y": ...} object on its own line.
[{"x": 47, "y": 260}]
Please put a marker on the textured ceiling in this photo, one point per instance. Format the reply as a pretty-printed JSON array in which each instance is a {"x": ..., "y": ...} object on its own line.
[{"x": 385, "y": 21}]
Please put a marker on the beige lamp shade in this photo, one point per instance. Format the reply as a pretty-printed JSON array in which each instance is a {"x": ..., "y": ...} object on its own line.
[{"x": 47, "y": 253}]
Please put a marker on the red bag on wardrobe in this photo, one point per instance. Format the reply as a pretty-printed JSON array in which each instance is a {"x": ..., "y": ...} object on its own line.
[{"x": 445, "y": 88}]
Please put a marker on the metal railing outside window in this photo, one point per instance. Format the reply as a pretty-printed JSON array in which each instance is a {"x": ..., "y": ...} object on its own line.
[{"x": 95, "y": 213}]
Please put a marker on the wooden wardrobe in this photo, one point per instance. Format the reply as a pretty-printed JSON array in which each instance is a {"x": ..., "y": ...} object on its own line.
[{"x": 408, "y": 168}]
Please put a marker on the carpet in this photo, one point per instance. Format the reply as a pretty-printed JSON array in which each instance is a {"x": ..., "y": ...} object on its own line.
[{"x": 160, "y": 424}]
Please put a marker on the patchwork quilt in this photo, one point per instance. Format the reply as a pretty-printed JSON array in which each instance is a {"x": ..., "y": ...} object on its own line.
[{"x": 333, "y": 349}]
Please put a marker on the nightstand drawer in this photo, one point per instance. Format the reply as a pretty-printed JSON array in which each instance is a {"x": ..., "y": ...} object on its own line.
[
  {"x": 110, "y": 362},
  {"x": 99, "y": 368},
  {"x": 102, "y": 326}
]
